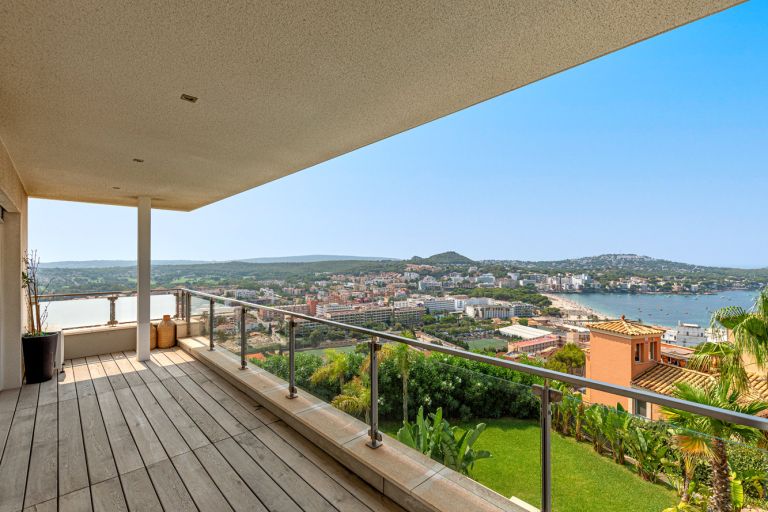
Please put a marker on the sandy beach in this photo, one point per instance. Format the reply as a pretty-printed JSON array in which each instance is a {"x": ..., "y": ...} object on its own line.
[{"x": 572, "y": 310}]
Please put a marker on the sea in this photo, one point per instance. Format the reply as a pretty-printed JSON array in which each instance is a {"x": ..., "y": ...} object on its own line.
[
  {"x": 664, "y": 309},
  {"x": 90, "y": 312}
]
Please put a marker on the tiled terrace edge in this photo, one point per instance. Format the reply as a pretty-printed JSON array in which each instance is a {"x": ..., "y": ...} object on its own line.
[{"x": 409, "y": 478}]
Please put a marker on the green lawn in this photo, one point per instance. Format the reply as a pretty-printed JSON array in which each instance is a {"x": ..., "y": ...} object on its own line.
[
  {"x": 483, "y": 343},
  {"x": 321, "y": 351},
  {"x": 582, "y": 480}
]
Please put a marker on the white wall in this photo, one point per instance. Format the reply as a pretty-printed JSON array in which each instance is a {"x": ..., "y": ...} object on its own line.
[{"x": 13, "y": 244}]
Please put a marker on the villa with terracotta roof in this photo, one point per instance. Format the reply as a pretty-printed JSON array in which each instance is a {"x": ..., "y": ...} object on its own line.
[
  {"x": 620, "y": 351},
  {"x": 631, "y": 354}
]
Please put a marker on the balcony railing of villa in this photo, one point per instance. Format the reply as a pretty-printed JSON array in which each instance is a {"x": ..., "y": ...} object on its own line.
[{"x": 212, "y": 373}]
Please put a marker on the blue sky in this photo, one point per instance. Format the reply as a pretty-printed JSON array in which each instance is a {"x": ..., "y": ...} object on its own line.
[{"x": 659, "y": 149}]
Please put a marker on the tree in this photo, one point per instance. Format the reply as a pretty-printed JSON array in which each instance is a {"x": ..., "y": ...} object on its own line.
[
  {"x": 571, "y": 356},
  {"x": 749, "y": 335},
  {"x": 335, "y": 369},
  {"x": 355, "y": 399},
  {"x": 707, "y": 436}
]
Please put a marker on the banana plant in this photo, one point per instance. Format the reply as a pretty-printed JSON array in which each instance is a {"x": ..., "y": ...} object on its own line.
[
  {"x": 649, "y": 450},
  {"x": 434, "y": 437}
]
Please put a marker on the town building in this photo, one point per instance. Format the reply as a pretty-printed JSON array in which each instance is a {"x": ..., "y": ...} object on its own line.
[
  {"x": 687, "y": 335},
  {"x": 523, "y": 332},
  {"x": 621, "y": 351},
  {"x": 534, "y": 346},
  {"x": 489, "y": 311}
]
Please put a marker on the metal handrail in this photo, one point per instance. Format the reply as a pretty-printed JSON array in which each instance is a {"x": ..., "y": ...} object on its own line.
[
  {"x": 123, "y": 293},
  {"x": 545, "y": 393},
  {"x": 544, "y": 373}
]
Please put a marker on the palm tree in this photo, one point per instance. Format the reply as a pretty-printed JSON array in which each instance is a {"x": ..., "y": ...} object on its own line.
[
  {"x": 335, "y": 369},
  {"x": 403, "y": 357},
  {"x": 749, "y": 335},
  {"x": 706, "y": 436},
  {"x": 355, "y": 399}
]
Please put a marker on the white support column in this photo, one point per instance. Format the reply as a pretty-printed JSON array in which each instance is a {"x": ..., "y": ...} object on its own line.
[
  {"x": 143, "y": 277},
  {"x": 12, "y": 247}
]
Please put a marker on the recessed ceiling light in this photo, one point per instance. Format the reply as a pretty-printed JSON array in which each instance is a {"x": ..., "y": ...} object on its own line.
[
  {"x": 116, "y": 188},
  {"x": 138, "y": 160},
  {"x": 189, "y": 98}
]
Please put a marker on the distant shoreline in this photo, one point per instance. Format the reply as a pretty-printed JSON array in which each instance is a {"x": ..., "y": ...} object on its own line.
[{"x": 573, "y": 308}]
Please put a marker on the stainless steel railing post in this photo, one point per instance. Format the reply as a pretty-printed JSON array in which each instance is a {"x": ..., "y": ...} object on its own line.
[
  {"x": 548, "y": 396},
  {"x": 211, "y": 324},
  {"x": 291, "y": 358},
  {"x": 188, "y": 312},
  {"x": 177, "y": 295},
  {"x": 374, "y": 433},
  {"x": 112, "y": 315},
  {"x": 243, "y": 339}
]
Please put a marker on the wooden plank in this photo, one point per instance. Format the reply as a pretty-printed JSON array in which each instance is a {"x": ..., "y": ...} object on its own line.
[
  {"x": 190, "y": 432},
  {"x": 48, "y": 506},
  {"x": 13, "y": 467},
  {"x": 8, "y": 400},
  {"x": 164, "y": 429},
  {"x": 49, "y": 391},
  {"x": 101, "y": 464},
  {"x": 67, "y": 390},
  {"x": 126, "y": 454},
  {"x": 140, "y": 368},
  {"x": 160, "y": 368},
  {"x": 295, "y": 445},
  {"x": 200, "y": 486},
  {"x": 302, "y": 493},
  {"x": 244, "y": 400},
  {"x": 237, "y": 493},
  {"x": 329, "y": 488},
  {"x": 98, "y": 375},
  {"x": 202, "y": 419},
  {"x": 73, "y": 472},
  {"x": 126, "y": 368},
  {"x": 28, "y": 396},
  {"x": 182, "y": 360},
  {"x": 271, "y": 495},
  {"x": 114, "y": 375},
  {"x": 226, "y": 420},
  {"x": 146, "y": 440},
  {"x": 83, "y": 381},
  {"x": 78, "y": 501},
  {"x": 108, "y": 496},
  {"x": 170, "y": 488},
  {"x": 240, "y": 413},
  {"x": 163, "y": 366},
  {"x": 139, "y": 492},
  {"x": 42, "y": 475}
]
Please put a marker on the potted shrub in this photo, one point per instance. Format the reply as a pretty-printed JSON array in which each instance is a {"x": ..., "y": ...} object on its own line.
[{"x": 39, "y": 346}]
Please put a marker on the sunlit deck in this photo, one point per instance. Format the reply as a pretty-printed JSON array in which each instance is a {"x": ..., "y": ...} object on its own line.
[{"x": 114, "y": 434}]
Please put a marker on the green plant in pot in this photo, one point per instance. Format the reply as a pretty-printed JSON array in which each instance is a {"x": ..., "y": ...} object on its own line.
[{"x": 39, "y": 346}]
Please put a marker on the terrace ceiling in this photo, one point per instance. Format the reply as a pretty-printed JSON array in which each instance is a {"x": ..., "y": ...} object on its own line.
[{"x": 86, "y": 87}]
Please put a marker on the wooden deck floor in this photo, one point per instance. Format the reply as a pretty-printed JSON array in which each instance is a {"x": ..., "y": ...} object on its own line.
[{"x": 114, "y": 434}]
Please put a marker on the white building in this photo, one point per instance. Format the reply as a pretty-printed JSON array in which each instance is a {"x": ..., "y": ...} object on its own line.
[
  {"x": 429, "y": 283},
  {"x": 523, "y": 331},
  {"x": 687, "y": 335}
]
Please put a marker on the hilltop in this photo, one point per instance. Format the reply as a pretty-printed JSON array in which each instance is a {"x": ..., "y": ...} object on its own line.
[{"x": 443, "y": 258}]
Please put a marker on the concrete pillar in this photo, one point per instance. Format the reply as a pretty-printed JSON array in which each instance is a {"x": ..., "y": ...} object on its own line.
[
  {"x": 12, "y": 247},
  {"x": 143, "y": 277}
]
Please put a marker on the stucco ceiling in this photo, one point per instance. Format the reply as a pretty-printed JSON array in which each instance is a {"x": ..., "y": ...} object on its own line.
[{"x": 87, "y": 86}]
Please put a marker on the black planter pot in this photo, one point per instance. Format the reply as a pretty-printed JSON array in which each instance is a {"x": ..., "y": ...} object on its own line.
[{"x": 39, "y": 353}]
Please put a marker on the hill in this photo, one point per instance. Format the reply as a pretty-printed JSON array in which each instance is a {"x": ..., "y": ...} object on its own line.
[
  {"x": 443, "y": 258},
  {"x": 312, "y": 258},
  {"x": 634, "y": 264}
]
